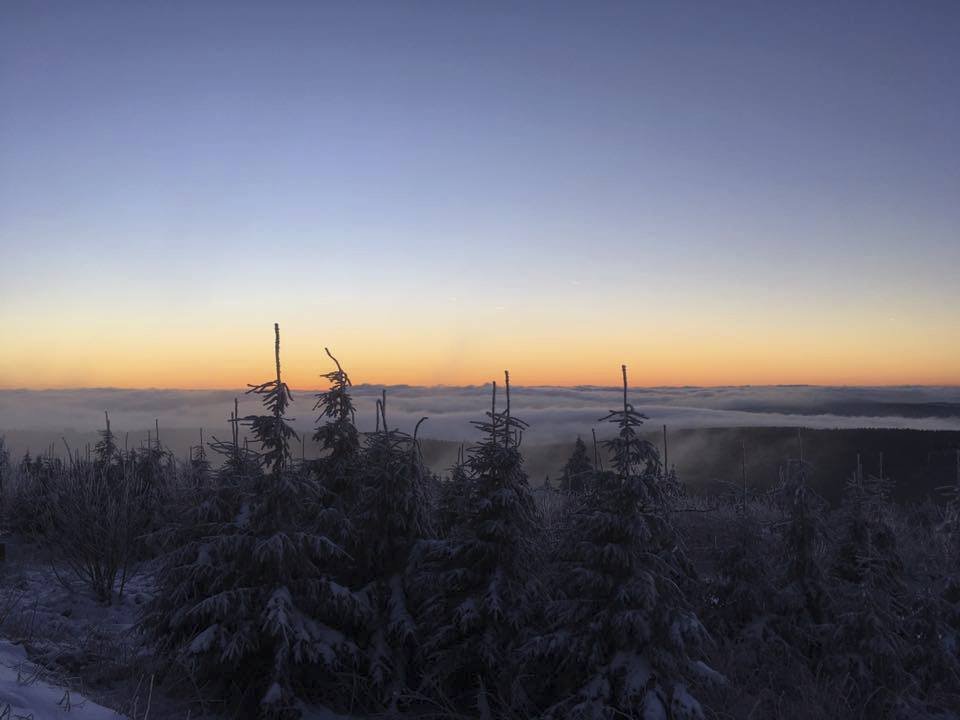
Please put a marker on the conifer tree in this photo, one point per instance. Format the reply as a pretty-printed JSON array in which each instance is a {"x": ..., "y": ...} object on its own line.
[
  {"x": 338, "y": 437},
  {"x": 802, "y": 578},
  {"x": 951, "y": 524},
  {"x": 740, "y": 606},
  {"x": 239, "y": 462},
  {"x": 453, "y": 497},
  {"x": 477, "y": 581},
  {"x": 932, "y": 625},
  {"x": 391, "y": 518},
  {"x": 800, "y": 622},
  {"x": 867, "y": 546},
  {"x": 620, "y": 640},
  {"x": 199, "y": 464},
  {"x": 868, "y": 637},
  {"x": 247, "y": 599},
  {"x": 633, "y": 456},
  {"x": 743, "y": 589},
  {"x": 930, "y": 657},
  {"x": 577, "y": 470},
  {"x": 273, "y": 430},
  {"x": 4, "y": 467},
  {"x": 152, "y": 465},
  {"x": 106, "y": 447}
]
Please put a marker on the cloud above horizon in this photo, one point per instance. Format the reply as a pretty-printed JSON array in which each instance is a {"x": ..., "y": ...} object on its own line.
[{"x": 554, "y": 413}]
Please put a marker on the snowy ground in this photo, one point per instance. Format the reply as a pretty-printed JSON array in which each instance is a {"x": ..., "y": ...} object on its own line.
[
  {"x": 65, "y": 656},
  {"x": 79, "y": 649},
  {"x": 28, "y": 690}
]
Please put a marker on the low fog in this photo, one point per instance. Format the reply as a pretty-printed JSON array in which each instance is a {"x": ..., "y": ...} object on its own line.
[
  {"x": 554, "y": 414},
  {"x": 53, "y": 420}
]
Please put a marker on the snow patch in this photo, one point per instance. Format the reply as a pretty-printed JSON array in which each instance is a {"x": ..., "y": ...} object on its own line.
[{"x": 25, "y": 692}]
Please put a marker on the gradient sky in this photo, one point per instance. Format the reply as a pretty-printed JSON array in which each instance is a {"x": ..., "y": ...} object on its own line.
[{"x": 711, "y": 192}]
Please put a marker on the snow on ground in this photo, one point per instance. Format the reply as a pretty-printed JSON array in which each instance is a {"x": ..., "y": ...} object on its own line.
[
  {"x": 56, "y": 615},
  {"x": 29, "y": 691},
  {"x": 50, "y": 617}
]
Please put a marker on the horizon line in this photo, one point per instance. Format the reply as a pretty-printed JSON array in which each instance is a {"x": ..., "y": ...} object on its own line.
[{"x": 475, "y": 386}]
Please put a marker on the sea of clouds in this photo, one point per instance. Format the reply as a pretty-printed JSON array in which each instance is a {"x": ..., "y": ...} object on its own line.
[{"x": 554, "y": 413}]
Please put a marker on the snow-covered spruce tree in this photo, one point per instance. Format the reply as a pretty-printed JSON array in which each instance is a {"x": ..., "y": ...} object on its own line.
[
  {"x": 273, "y": 431},
  {"x": 5, "y": 472},
  {"x": 867, "y": 544},
  {"x": 390, "y": 518},
  {"x": 337, "y": 470},
  {"x": 867, "y": 644},
  {"x": 476, "y": 584},
  {"x": 452, "y": 497},
  {"x": 245, "y": 599},
  {"x": 338, "y": 438},
  {"x": 743, "y": 591},
  {"x": 950, "y": 527},
  {"x": 632, "y": 455},
  {"x": 739, "y": 605},
  {"x": 931, "y": 656},
  {"x": 152, "y": 466},
  {"x": 239, "y": 463},
  {"x": 802, "y": 611},
  {"x": 803, "y": 539},
  {"x": 106, "y": 451},
  {"x": 199, "y": 466},
  {"x": 577, "y": 470},
  {"x": 932, "y": 624},
  {"x": 621, "y": 639}
]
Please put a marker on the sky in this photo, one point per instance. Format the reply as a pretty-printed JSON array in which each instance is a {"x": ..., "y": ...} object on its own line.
[{"x": 713, "y": 193}]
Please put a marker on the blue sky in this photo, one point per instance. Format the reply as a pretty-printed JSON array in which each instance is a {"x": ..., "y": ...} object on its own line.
[{"x": 488, "y": 176}]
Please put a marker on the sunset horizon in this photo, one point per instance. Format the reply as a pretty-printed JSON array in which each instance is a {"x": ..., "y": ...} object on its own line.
[
  {"x": 430, "y": 359},
  {"x": 194, "y": 360},
  {"x": 438, "y": 193}
]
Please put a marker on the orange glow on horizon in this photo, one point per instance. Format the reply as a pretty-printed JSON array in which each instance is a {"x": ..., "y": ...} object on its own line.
[
  {"x": 543, "y": 348},
  {"x": 233, "y": 365}
]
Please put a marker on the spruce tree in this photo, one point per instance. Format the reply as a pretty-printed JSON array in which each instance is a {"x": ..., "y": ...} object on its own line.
[
  {"x": 272, "y": 430},
  {"x": 867, "y": 546},
  {"x": 740, "y": 606},
  {"x": 106, "y": 447},
  {"x": 152, "y": 466},
  {"x": 476, "y": 583},
  {"x": 620, "y": 640},
  {"x": 4, "y": 470},
  {"x": 743, "y": 589},
  {"x": 199, "y": 464},
  {"x": 577, "y": 470},
  {"x": 951, "y": 523},
  {"x": 246, "y": 598},
  {"x": 802, "y": 607},
  {"x": 932, "y": 624},
  {"x": 338, "y": 437},
  {"x": 868, "y": 640},
  {"x": 633, "y": 456},
  {"x": 453, "y": 497},
  {"x": 803, "y": 537},
  {"x": 391, "y": 517},
  {"x": 239, "y": 462}
]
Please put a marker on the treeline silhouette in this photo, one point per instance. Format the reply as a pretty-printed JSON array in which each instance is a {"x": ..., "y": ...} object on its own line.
[{"x": 364, "y": 584}]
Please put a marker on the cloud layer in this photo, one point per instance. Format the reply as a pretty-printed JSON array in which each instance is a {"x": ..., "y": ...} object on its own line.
[{"x": 554, "y": 413}]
